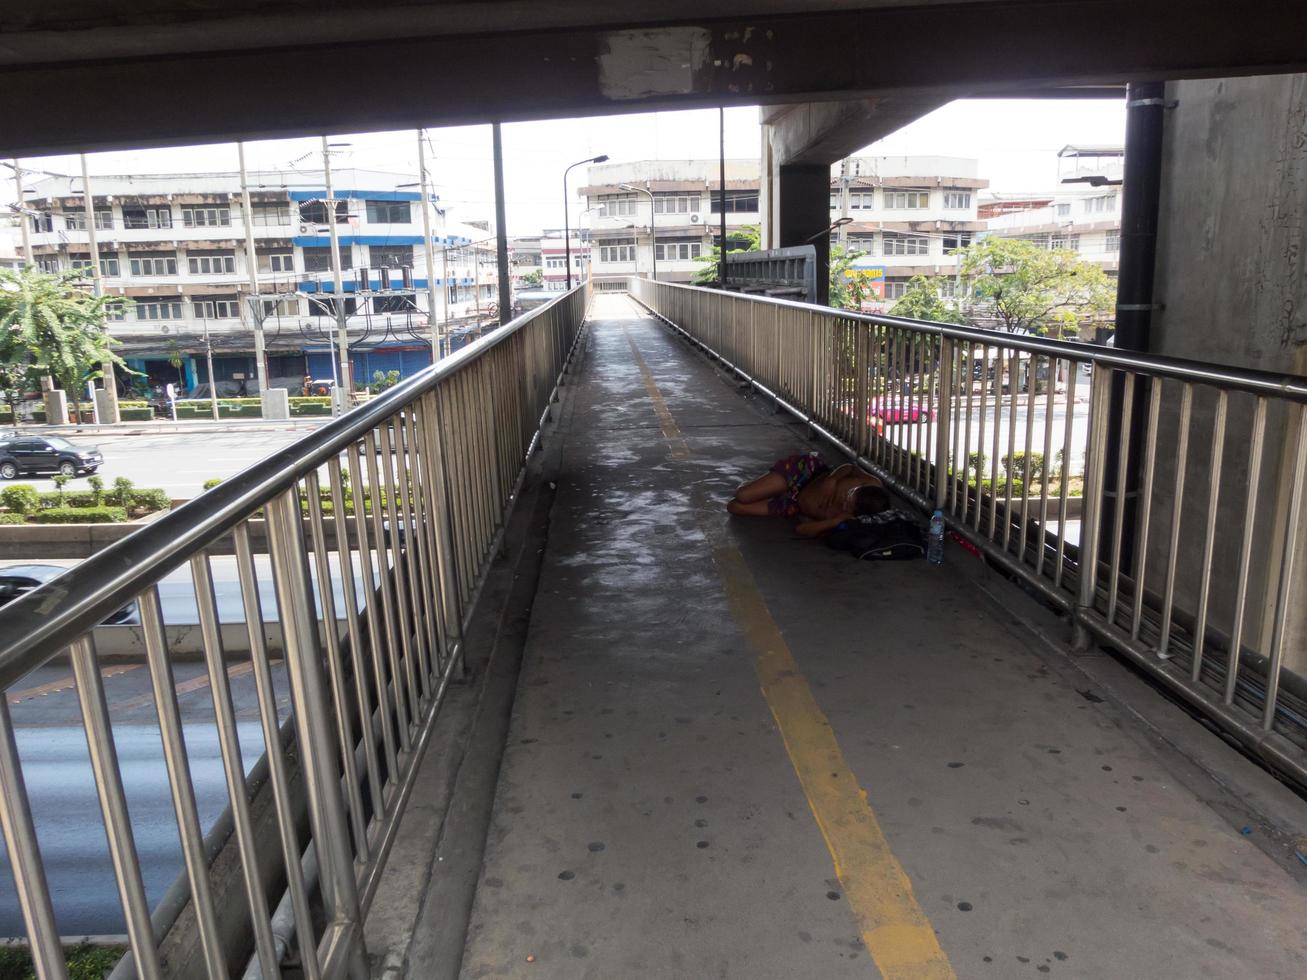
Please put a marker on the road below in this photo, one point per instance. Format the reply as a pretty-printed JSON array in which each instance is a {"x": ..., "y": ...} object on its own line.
[{"x": 180, "y": 462}]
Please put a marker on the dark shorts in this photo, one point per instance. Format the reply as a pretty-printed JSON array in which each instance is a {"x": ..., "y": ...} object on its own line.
[{"x": 798, "y": 471}]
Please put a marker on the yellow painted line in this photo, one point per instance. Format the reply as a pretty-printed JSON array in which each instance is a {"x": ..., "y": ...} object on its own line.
[
  {"x": 676, "y": 445},
  {"x": 63, "y": 684},
  {"x": 899, "y": 937},
  {"x": 185, "y": 687}
]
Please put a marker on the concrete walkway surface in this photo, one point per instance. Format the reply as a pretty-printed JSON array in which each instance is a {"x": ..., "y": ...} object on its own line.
[{"x": 735, "y": 753}]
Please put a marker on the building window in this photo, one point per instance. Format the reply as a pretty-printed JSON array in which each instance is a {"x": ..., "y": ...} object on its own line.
[
  {"x": 211, "y": 263},
  {"x": 617, "y": 251},
  {"x": 835, "y": 201},
  {"x": 862, "y": 243},
  {"x": 954, "y": 240},
  {"x": 390, "y": 256},
  {"x": 1064, "y": 242},
  {"x": 216, "y": 307},
  {"x": 318, "y": 259},
  {"x": 159, "y": 309},
  {"x": 108, "y": 264},
  {"x": 957, "y": 200},
  {"x": 287, "y": 306},
  {"x": 116, "y": 311},
  {"x": 949, "y": 288},
  {"x": 135, "y": 216},
  {"x": 1112, "y": 241},
  {"x": 43, "y": 222},
  {"x": 677, "y": 203},
  {"x": 389, "y": 212},
  {"x": 77, "y": 221},
  {"x": 205, "y": 216},
  {"x": 737, "y": 202},
  {"x": 326, "y": 306},
  {"x": 276, "y": 261},
  {"x": 905, "y": 245},
  {"x": 906, "y": 200},
  {"x": 555, "y": 262},
  {"x": 861, "y": 200},
  {"x": 47, "y": 263},
  {"x": 616, "y": 205},
  {"x": 315, "y": 212},
  {"x": 896, "y": 288},
  {"x": 1064, "y": 209},
  {"x": 266, "y": 215},
  {"x": 1105, "y": 204},
  {"x": 679, "y": 250},
  {"x": 153, "y": 264}
]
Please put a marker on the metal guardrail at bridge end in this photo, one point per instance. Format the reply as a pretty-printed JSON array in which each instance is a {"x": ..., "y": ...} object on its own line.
[
  {"x": 422, "y": 478},
  {"x": 1196, "y": 574}
]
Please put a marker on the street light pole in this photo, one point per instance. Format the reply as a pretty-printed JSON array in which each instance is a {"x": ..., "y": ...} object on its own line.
[
  {"x": 109, "y": 413},
  {"x": 342, "y": 328},
  {"x": 567, "y": 233},
  {"x": 255, "y": 305},
  {"x": 653, "y": 233}
]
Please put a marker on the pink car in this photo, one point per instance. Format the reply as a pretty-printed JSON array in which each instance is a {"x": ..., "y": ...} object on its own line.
[{"x": 893, "y": 411}]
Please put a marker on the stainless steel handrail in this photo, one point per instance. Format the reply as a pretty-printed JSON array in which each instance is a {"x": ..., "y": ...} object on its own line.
[
  {"x": 38, "y": 625},
  {"x": 967, "y": 421}
]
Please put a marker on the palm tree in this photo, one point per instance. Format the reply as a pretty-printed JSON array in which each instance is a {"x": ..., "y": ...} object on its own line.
[{"x": 48, "y": 322}]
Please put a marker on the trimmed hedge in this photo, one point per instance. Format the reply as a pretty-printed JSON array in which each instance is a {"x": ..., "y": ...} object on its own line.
[
  {"x": 7, "y": 417},
  {"x": 21, "y": 498},
  {"x": 310, "y": 405},
  {"x": 12, "y": 519},
  {"x": 228, "y": 408},
  {"x": 80, "y": 515}
]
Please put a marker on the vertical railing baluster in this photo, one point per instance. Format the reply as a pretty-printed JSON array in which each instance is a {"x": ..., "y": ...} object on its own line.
[
  {"x": 266, "y": 695},
  {"x": 1064, "y": 487},
  {"x": 1285, "y": 592},
  {"x": 1144, "y": 509},
  {"x": 1255, "y": 447},
  {"x": 113, "y": 806},
  {"x": 1086, "y": 592}
]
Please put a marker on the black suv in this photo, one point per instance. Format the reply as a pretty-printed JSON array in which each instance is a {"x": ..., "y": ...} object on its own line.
[{"x": 45, "y": 454}]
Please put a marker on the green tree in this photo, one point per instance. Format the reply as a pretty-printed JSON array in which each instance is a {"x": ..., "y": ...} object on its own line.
[
  {"x": 59, "y": 326},
  {"x": 922, "y": 301},
  {"x": 707, "y": 275},
  {"x": 1029, "y": 289},
  {"x": 533, "y": 279},
  {"x": 847, "y": 291}
]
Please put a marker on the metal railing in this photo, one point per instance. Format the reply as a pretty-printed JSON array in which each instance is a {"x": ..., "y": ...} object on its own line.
[
  {"x": 1194, "y": 571},
  {"x": 394, "y": 512}
]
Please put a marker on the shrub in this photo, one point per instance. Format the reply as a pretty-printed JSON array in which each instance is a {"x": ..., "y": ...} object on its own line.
[
  {"x": 121, "y": 493},
  {"x": 212, "y": 482},
  {"x": 81, "y": 515},
  {"x": 150, "y": 500},
  {"x": 97, "y": 489},
  {"x": 60, "y": 481},
  {"x": 21, "y": 498},
  {"x": 976, "y": 462},
  {"x": 310, "y": 405},
  {"x": 12, "y": 519},
  {"x": 1015, "y": 463}
]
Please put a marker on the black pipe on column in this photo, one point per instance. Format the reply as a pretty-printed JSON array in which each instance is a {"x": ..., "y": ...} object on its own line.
[{"x": 1140, "y": 200}]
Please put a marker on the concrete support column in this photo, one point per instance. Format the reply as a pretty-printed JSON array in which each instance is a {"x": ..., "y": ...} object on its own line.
[
  {"x": 56, "y": 407},
  {"x": 276, "y": 403},
  {"x": 803, "y": 210}
]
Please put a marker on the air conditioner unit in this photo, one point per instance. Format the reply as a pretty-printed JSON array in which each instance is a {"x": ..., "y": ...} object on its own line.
[{"x": 695, "y": 219}]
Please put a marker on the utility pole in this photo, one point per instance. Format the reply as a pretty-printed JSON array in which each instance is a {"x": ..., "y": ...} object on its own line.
[
  {"x": 476, "y": 280},
  {"x": 427, "y": 247},
  {"x": 342, "y": 329},
  {"x": 208, "y": 356},
  {"x": 255, "y": 306},
  {"x": 721, "y": 179},
  {"x": 844, "y": 199},
  {"x": 23, "y": 219},
  {"x": 501, "y": 231},
  {"x": 108, "y": 410}
]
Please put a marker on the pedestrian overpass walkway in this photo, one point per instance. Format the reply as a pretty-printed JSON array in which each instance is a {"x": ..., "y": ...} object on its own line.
[
  {"x": 728, "y": 751},
  {"x": 736, "y": 753}
]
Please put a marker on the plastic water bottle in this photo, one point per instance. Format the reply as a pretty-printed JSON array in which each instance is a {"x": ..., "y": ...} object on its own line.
[{"x": 935, "y": 546}]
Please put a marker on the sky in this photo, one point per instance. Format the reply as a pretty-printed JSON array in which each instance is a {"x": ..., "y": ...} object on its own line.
[{"x": 1014, "y": 140}]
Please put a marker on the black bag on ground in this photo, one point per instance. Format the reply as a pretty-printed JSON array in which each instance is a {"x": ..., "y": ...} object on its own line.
[{"x": 890, "y": 535}]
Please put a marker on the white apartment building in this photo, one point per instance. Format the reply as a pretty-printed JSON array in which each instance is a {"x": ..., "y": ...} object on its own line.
[
  {"x": 668, "y": 211},
  {"x": 174, "y": 246},
  {"x": 907, "y": 215},
  {"x": 1082, "y": 215}
]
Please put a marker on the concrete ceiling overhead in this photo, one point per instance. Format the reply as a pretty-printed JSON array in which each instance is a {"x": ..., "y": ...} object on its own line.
[{"x": 84, "y": 74}]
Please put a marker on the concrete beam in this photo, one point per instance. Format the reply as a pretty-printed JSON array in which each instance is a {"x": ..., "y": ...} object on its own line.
[{"x": 162, "y": 79}]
